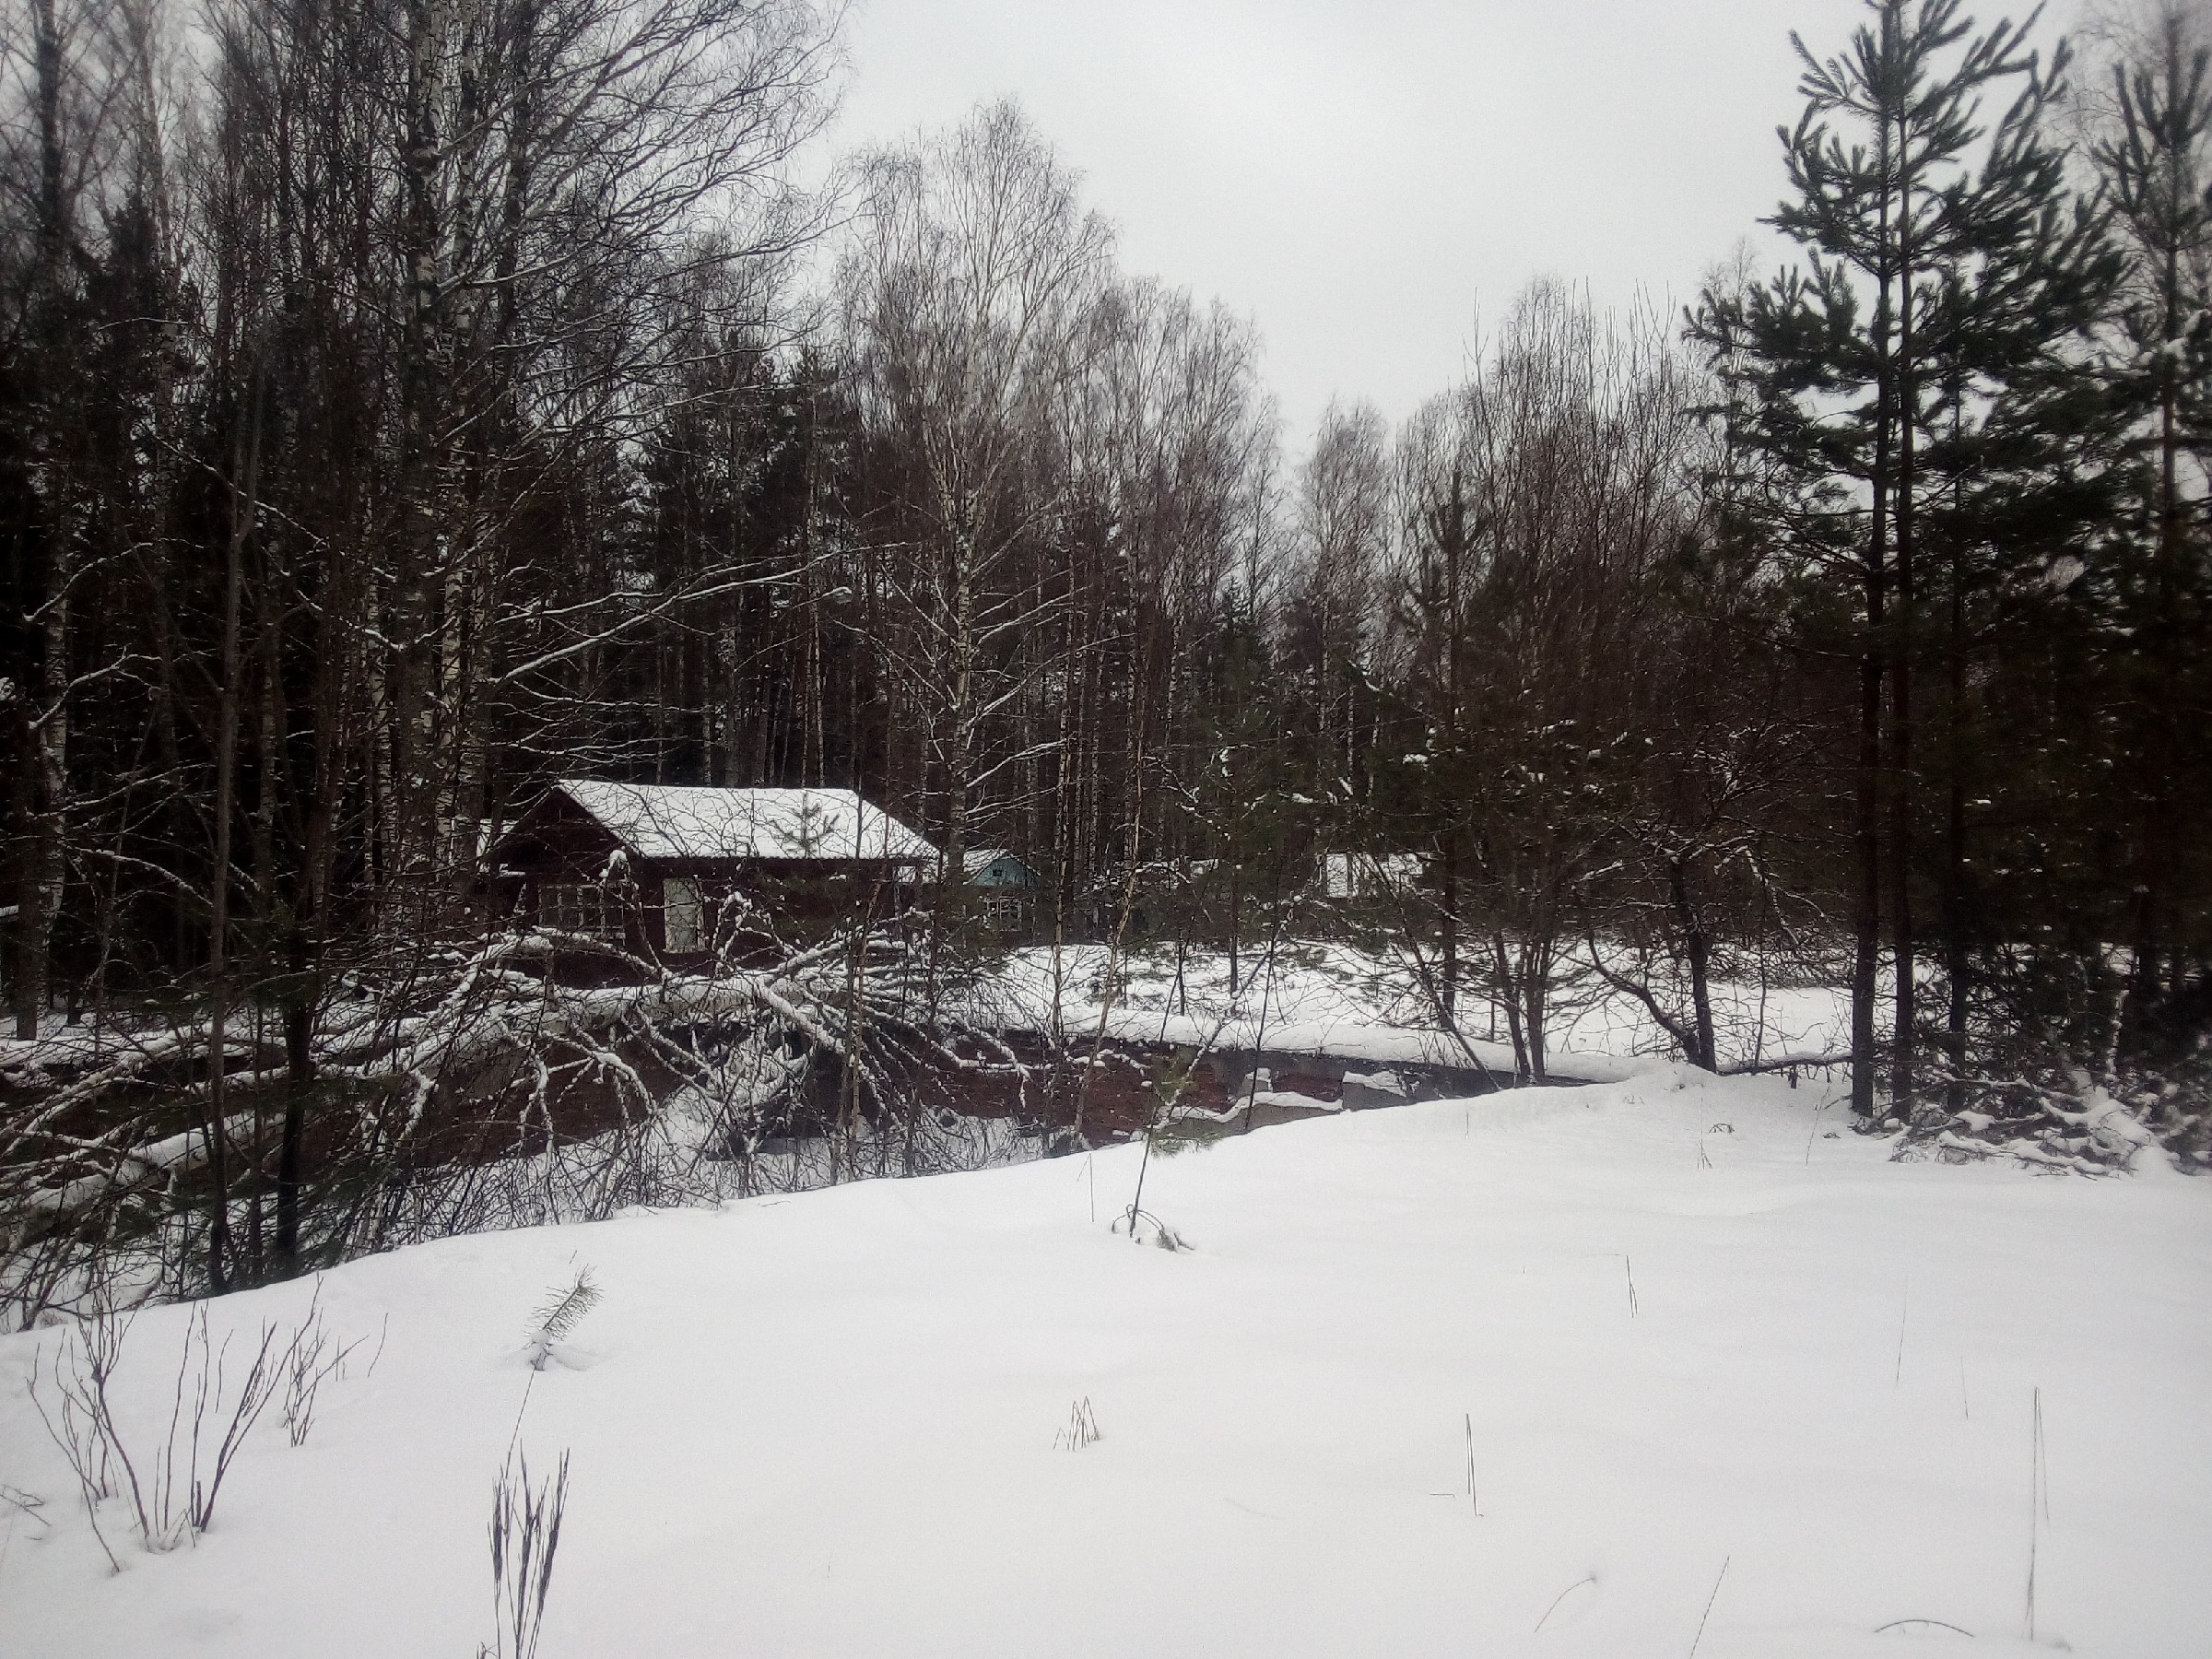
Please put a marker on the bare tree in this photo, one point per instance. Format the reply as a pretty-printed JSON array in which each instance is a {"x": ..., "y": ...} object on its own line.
[
  {"x": 968, "y": 307},
  {"x": 1535, "y": 509}
]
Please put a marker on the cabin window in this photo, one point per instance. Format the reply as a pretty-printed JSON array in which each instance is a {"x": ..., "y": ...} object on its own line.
[
  {"x": 680, "y": 912},
  {"x": 581, "y": 908},
  {"x": 1004, "y": 909}
]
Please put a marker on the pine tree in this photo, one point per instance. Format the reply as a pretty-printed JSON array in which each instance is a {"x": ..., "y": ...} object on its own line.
[
  {"x": 1947, "y": 269},
  {"x": 2152, "y": 161}
]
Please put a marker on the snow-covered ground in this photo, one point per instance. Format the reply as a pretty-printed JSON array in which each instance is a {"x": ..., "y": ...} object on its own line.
[
  {"x": 825, "y": 1424},
  {"x": 1312, "y": 998}
]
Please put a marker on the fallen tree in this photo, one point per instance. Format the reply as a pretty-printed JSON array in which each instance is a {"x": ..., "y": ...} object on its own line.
[{"x": 530, "y": 1076}]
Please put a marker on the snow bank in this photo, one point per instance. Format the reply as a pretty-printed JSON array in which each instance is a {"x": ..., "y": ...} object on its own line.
[{"x": 1675, "y": 1324}]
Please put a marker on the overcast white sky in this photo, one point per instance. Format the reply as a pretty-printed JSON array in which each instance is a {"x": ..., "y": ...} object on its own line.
[{"x": 1364, "y": 178}]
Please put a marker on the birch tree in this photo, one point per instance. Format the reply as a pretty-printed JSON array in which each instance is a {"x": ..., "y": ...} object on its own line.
[{"x": 966, "y": 310}]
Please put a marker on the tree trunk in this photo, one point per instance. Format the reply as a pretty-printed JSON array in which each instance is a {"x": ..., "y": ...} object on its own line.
[
  {"x": 1902, "y": 1028},
  {"x": 43, "y": 792},
  {"x": 2157, "y": 788},
  {"x": 1867, "y": 784},
  {"x": 1698, "y": 946},
  {"x": 1508, "y": 993},
  {"x": 242, "y": 509}
]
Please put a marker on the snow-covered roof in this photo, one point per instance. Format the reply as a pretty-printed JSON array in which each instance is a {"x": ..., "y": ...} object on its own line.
[
  {"x": 979, "y": 865},
  {"x": 659, "y": 820}
]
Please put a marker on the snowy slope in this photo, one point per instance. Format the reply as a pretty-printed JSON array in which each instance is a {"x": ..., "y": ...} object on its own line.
[{"x": 824, "y": 1424}]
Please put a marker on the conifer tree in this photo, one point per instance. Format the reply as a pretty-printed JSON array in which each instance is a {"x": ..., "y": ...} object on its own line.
[
  {"x": 2152, "y": 161},
  {"x": 1946, "y": 268}
]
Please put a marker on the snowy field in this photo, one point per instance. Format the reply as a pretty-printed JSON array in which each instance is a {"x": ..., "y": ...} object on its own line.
[
  {"x": 1725, "y": 1386},
  {"x": 1321, "y": 998}
]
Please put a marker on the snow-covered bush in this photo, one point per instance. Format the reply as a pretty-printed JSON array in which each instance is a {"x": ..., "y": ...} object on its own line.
[{"x": 2066, "y": 1122}]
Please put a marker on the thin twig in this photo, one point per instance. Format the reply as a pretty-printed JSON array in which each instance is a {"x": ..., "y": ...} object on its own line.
[
  {"x": 1562, "y": 1596},
  {"x": 2039, "y": 1504},
  {"x": 1709, "y": 1601},
  {"x": 1474, "y": 1494},
  {"x": 1904, "y": 1313}
]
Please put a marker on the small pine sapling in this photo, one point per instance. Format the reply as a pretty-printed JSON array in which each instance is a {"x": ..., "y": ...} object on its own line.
[{"x": 558, "y": 1315}]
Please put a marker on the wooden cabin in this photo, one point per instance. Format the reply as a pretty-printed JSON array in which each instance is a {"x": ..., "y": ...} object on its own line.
[
  {"x": 1372, "y": 876},
  {"x": 668, "y": 872},
  {"x": 1008, "y": 889}
]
